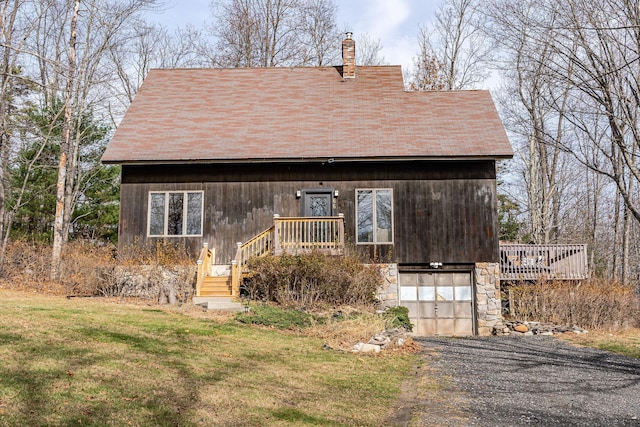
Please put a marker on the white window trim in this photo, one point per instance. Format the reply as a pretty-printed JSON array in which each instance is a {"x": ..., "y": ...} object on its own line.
[
  {"x": 374, "y": 219},
  {"x": 185, "y": 209}
]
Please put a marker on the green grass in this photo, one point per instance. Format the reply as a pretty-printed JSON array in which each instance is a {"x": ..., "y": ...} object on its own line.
[
  {"x": 92, "y": 362},
  {"x": 278, "y": 317},
  {"x": 626, "y": 342}
]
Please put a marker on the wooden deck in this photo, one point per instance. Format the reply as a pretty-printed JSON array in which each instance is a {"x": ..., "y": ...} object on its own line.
[{"x": 543, "y": 262}]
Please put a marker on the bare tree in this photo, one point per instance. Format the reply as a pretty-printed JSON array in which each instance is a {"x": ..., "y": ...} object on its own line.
[
  {"x": 255, "y": 33},
  {"x": 70, "y": 47},
  {"x": 368, "y": 50},
  {"x": 586, "y": 56},
  {"x": 14, "y": 28},
  {"x": 65, "y": 147},
  {"x": 429, "y": 72},
  {"x": 457, "y": 44},
  {"x": 148, "y": 46},
  {"x": 270, "y": 33},
  {"x": 318, "y": 32}
]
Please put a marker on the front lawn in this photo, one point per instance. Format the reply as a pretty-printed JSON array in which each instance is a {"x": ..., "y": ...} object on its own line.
[
  {"x": 626, "y": 342},
  {"x": 97, "y": 362}
]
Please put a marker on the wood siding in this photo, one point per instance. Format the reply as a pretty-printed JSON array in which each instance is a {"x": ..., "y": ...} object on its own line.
[{"x": 443, "y": 211}]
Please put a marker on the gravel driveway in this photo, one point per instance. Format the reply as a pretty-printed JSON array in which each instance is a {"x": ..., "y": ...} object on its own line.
[{"x": 515, "y": 381}]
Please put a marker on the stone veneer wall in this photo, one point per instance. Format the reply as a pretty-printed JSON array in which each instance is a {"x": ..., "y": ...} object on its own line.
[
  {"x": 388, "y": 292},
  {"x": 488, "y": 306}
]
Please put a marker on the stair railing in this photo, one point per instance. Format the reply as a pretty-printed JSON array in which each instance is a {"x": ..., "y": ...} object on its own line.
[
  {"x": 260, "y": 245},
  {"x": 204, "y": 263}
]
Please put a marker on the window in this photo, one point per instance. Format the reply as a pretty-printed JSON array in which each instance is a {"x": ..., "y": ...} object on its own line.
[
  {"x": 175, "y": 213},
  {"x": 374, "y": 216}
]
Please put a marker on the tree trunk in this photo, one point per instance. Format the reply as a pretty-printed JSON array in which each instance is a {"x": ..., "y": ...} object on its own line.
[
  {"x": 59, "y": 223},
  {"x": 6, "y": 81}
]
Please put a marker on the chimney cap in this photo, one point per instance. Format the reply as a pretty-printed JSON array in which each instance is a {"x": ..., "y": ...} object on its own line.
[{"x": 349, "y": 34}]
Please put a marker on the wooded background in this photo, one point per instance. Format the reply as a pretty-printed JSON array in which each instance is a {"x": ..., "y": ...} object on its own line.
[{"x": 569, "y": 96}]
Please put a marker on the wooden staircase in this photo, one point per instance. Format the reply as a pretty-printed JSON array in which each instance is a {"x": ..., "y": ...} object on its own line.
[
  {"x": 215, "y": 293},
  {"x": 218, "y": 286},
  {"x": 214, "y": 286}
]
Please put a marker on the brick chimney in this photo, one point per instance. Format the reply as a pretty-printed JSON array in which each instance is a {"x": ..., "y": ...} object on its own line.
[{"x": 348, "y": 57}]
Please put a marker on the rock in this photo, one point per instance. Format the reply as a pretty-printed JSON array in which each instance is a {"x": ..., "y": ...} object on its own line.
[
  {"x": 380, "y": 340},
  {"x": 366, "y": 348},
  {"x": 547, "y": 333},
  {"x": 528, "y": 333},
  {"x": 521, "y": 328}
]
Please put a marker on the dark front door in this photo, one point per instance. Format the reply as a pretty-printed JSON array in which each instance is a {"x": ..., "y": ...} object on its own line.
[{"x": 318, "y": 203}]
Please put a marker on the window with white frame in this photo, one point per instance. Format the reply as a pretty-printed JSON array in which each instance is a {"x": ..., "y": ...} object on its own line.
[
  {"x": 374, "y": 216},
  {"x": 175, "y": 213}
]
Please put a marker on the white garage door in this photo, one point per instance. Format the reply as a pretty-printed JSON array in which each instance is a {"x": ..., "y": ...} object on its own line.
[{"x": 439, "y": 303}]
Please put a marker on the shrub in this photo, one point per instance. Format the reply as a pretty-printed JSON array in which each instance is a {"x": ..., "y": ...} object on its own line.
[
  {"x": 398, "y": 317},
  {"x": 308, "y": 279},
  {"x": 160, "y": 271},
  {"x": 278, "y": 317},
  {"x": 593, "y": 304}
]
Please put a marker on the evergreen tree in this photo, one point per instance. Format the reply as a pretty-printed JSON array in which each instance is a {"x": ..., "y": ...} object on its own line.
[{"x": 34, "y": 176}]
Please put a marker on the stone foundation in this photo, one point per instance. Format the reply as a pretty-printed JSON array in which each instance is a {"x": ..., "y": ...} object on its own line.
[
  {"x": 488, "y": 306},
  {"x": 388, "y": 292}
]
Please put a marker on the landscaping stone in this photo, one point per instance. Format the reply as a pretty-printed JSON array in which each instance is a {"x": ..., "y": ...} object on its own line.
[
  {"x": 389, "y": 338},
  {"x": 366, "y": 348},
  {"x": 523, "y": 328}
]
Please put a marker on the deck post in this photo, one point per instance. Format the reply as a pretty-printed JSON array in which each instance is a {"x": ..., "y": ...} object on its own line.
[{"x": 276, "y": 234}]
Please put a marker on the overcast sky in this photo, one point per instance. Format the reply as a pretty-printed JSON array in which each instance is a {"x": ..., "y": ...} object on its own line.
[{"x": 394, "y": 22}]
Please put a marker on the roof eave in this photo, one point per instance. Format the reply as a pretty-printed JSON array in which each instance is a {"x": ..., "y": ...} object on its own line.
[{"x": 501, "y": 156}]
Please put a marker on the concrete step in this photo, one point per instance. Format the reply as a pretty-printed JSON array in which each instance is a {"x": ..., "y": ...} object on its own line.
[{"x": 218, "y": 303}]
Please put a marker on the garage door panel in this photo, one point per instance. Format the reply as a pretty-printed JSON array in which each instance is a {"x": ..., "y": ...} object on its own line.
[
  {"x": 408, "y": 279},
  {"x": 428, "y": 310},
  {"x": 443, "y": 279},
  {"x": 444, "y": 293},
  {"x": 463, "y": 310},
  {"x": 425, "y": 279},
  {"x": 446, "y": 310},
  {"x": 413, "y": 309},
  {"x": 425, "y": 327},
  {"x": 446, "y": 326},
  {"x": 462, "y": 293},
  {"x": 408, "y": 293},
  {"x": 427, "y": 293},
  {"x": 463, "y": 327},
  {"x": 461, "y": 279}
]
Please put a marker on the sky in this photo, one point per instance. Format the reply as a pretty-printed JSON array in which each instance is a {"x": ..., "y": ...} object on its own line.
[{"x": 394, "y": 22}]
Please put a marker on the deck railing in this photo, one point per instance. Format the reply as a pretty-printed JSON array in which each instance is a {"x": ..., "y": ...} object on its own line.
[
  {"x": 299, "y": 235},
  {"x": 543, "y": 262}
]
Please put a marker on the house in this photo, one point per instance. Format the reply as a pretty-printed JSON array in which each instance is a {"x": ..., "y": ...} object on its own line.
[{"x": 218, "y": 156}]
